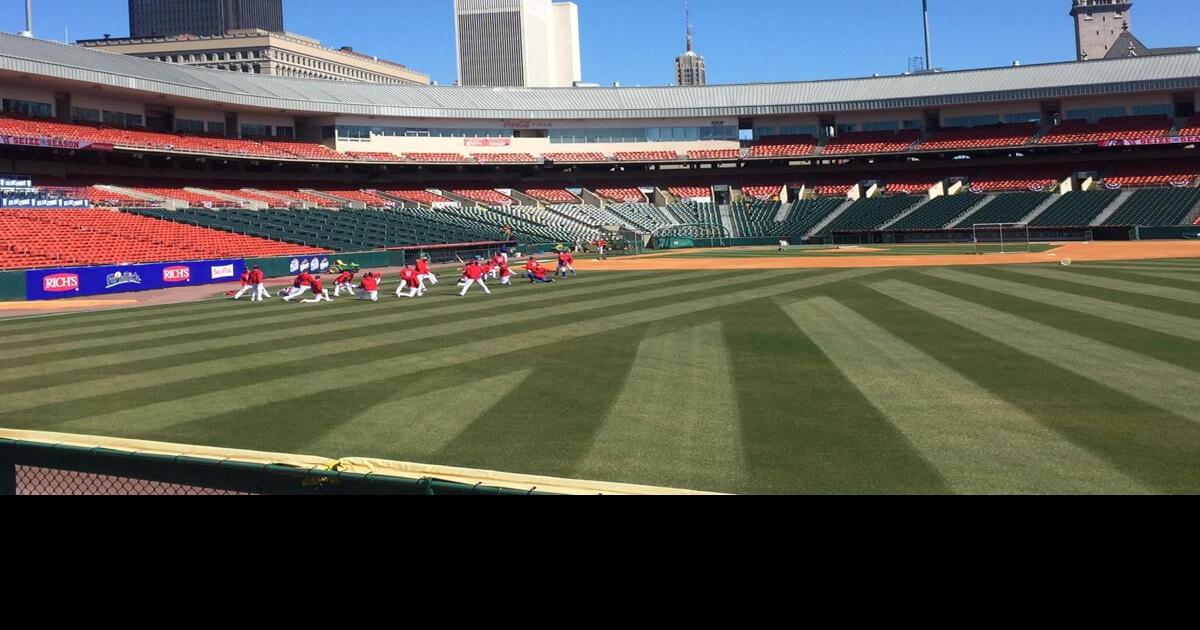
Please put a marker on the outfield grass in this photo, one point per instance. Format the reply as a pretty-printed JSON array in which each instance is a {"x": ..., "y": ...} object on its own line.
[
  {"x": 857, "y": 251},
  {"x": 1022, "y": 379}
]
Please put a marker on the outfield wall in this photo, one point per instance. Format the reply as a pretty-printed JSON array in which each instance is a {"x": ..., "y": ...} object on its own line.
[
  {"x": 69, "y": 282},
  {"x": 12, "y": 286}
]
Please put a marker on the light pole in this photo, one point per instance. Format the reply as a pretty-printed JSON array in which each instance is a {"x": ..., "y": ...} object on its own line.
[
  {"x": 928, "y": 48},
  {"x": 28, "y": 32}
]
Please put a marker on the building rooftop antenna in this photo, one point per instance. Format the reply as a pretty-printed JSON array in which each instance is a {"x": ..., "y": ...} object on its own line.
[
  {"x": 687, "y": 17},
  {"x": 28, "y": 32}
]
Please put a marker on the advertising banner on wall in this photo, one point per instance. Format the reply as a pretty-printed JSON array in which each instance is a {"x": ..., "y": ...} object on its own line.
[
  {"x": 54, "y": 143},
  {"x": 488, "y": 142},
  {"x": 56, "y": 284},
  {"x": 44, "y": 203},
  {"x": 1145, "y": 142}
]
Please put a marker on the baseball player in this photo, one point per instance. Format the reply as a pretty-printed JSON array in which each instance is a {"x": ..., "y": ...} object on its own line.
[
  {"x": 505, "y": 274},
  {"x": 409, "y": 279},
  {"x": 498, "y": 261},
  {"x": 566, "y": 262},
  {"x": 473, "y": 274},
  {"x": 246, "y": 285},
  {"x": 259, "y": 280},
  {"x": 302, "y": 284},
  {"x": 344, "y": 281},
  {"x": 370, "y": 287},
  {"x": 320, "y": 293},
  {"x": 536, "y": 272},
  {"x": 424, "y": 273}
]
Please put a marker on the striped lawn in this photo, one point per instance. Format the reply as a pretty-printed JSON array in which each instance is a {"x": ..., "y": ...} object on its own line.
[{"x": 980, "y": 380}]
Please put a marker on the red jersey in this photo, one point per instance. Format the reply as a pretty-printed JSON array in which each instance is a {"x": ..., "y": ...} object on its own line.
[
  {"x": 498, "y": 260},
  {"x": 539, "y": 272},
  {"x": 410, "y": 276},
  {"x": 245, "y": 278},
  {"x": 344, "y": 278},
  {"x": 304, "y": 280},
  {"x": 370, "y": 283},
  {"x": 564, "y": 259},
  {"x": 570, "y": 258},
  {"x": 422, "y": 266},
  {"x": 474, "y": 272},
  {"x": 504, "y": 272},
  {"x": 317, "y": 287}
]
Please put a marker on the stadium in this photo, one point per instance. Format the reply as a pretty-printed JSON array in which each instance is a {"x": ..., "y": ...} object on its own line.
[{"x": 977, "y": 282}]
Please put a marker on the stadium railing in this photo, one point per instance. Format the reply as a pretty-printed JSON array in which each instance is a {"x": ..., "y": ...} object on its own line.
[{"x": 36, "y": 463}]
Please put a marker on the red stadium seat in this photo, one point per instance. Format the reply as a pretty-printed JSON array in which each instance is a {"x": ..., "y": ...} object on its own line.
[
  {"x": 715, "y": 154},
  {"x": 552, "y": 195},
  {"x": 690, "y": 192},
  {"x": 867, "y": 142},
  {"x": 486, "y": 195},
  {"x": 1179, "y": 173},
  {"x": 1124, "y": 128},
  {"x": 979, "y": 137},
  {"x": 622, "y": 195},
  {"x": 504, "y": 158},
  {"x": 438, "y": 158},
  {"x": 646, "y": 156},
  {"x": 768, "y": 192},
  {"x": 575, "y": 157},
  {"x": 783, "y": 146}
]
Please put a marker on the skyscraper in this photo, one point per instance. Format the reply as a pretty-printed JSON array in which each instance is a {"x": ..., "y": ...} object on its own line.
[
  {"x": 530, "y": 43},
  {"x": 1098, "y": 25},
  {"x": 167, "y": 18},
  {"x": 690, "y": 68}
]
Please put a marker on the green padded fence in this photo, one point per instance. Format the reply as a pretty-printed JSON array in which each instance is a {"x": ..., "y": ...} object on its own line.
[
  {"x": 12, "y": 286},
  {"x": 1167, "y": 233}
]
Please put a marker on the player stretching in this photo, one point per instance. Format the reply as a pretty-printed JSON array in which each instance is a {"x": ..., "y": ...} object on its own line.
[
  {"x": 498, "y": 263},
  {"x": 566, "y": 262},
  {"x": 411, "y": 280},
  {"x": 505, "y": 274},
  {"x": 424, "y": 273},
  {"x": 536, "y": 272},
  {"x": 246, "y": 285},
  {"x": 320, "y": 293},
  {"x": 259, "y": 280},
  {"x": 302, "y": 284},
  {"x": 370, "y": 287},
  {"x": 344, "y": 282},
  {"x": 473, "y": 274}
]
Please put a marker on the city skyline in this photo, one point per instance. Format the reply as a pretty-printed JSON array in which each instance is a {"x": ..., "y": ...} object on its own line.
[{"x": 634, "y": 42}]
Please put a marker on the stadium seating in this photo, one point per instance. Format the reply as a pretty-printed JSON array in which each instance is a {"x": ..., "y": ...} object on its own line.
[
  {"x": 1076, "y": 208},
  {"x": 646, "y": 156},
  {"x": 1124, "y": 128},
  {"x": 417, "y": 196},
  {"x": 193, "y": 199},
  {"x": 624, "y": 195},
  {"x": 370, "y": 199},
  {"x": 1022, "y": 178},
  {"x": 1181, "y": 173},
  {"x": 1156, "y": 207},
  {"x": 485, "y": 195},
  {"x": 866, "y": 142},
  {"x": 690, "y": 192},
  {"x": 306, "y": 150},
  {"x": 99, "y": 196},
  {"x": 504, "y": 158},
  {"x": 575, "y": 157},
  {"x": 250, "y": 195},
  {"x": 715, "y": 154},
  {"x": 783, "y": 146},
  {"x": 992, "y": 137},
  {"x": 438, "y": 158},
  {"x": 643, "y": 216},
  {"x": 835, "y": 185},
  {"x": 913, "y": 183},
  {"x": 763, "y": 193},
  {"x": 40, "y": 238},
  {"x": 289, "y": 192},
  {"x": 1007, "y": 208},
  {"x": 374, "y": 156},
  {"x": 870, "y": 214},
  {"x": 803, "y": 216},
  {"x": 937, "y": 213},
  {"x": 592, "y": 216},
  {"x": 552, "y": 195},
  {"x": 1190, "y": 128}
]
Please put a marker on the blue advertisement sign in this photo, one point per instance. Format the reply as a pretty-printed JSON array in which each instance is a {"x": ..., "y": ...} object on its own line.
[{"x": 56, "y": 284}]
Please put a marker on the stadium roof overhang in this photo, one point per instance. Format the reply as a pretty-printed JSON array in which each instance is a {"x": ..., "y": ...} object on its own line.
[{"x": 63, "y": 64}]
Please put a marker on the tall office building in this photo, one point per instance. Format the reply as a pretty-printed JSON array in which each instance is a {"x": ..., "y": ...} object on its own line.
[
  {"x": 167, "y": 18},
  {"x": 525, "y": 43},
  {"x": 690, "y": 68}
]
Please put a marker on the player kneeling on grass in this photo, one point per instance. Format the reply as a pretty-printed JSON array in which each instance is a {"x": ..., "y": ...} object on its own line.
[
  {"x": 472, "y": 275},
  {"x": 246, "y": 285},
  {"x": 423, "y": 272},
  {"x": 302, "y": 284},
  {"x": 410, "y": 280},
  {"x": 566, "y": 262},
  {"x": 370, "y": 287},
  {"x": 536, "y": 271},
  {"x": 344, "y": 282},
  {"x": 320, "y": 293}
]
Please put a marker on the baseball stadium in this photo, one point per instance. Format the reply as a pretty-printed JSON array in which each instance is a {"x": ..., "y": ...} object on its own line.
[{"x": 964, "y": 282}]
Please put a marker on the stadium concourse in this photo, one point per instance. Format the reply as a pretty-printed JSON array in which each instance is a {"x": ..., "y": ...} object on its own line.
[{"x": 837, "y": 286}]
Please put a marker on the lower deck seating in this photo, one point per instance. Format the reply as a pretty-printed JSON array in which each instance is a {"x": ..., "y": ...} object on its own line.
[
  {"x": 552, "y": 195},
  {"x": 1076, "y": 209},
  {"x": 804, "y": 216},
  {"x": 937, "y": 213},
  {"x": 51, "y": 238},
  {"x": 1157, "y": 207},
  {"x": 643, "y": 216},
  {"x": 622, "y": 195},
  {"x": 870, "y": 214},
  {"x": 1006, "y": 208}
]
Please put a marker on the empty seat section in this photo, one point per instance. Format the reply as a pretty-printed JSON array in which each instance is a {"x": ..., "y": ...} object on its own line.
[
  {"x": 1124, "y": 128},
  {"x": 626, "y": 195},
  {"x": 575, "y": 157},
  {"x": 1156, "y": 207},
  {"x": 937, "y": 213},
  {"x": 437, "y": 158},
  {"x": 1180, "y": 173},
  {"x": 870, "y": 214},
  {"x": 715, "y": 154},
  {"x": 783, "y": 146},
  {"x": 417, "y": 196},
  {"x": 1020, "y": 178},
  {"x": 374, "y": 156},
  {"x": 763, "y": 193},
  {"x": 979, "y": 137},
  {"x": 1006, "y": 208},
  {"x": 691, "y": 192},
  {"x": 1076, "y": 209},
  {"x": 646, "y": 156},
  {"x": 552, "y": 195},
  {"x": 862, "y": 142},
  {"x": 504, "y": 158},
  {"x": 485, "y": 195}
]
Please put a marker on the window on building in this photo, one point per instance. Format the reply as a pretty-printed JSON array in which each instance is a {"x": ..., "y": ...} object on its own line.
[
  {"x": 28, "y": 108},
  {"x": 85, "y": 115},
  {"x": 255, "y": 131},
  {"x": 189, "y": 126}
]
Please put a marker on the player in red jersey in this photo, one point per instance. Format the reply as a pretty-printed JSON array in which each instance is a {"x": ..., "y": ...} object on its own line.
[
  {"x": 246, "y": 285},
  {"x": 302, "y": 284},
  {"x": 473, "y": 274},
  {"x": 566, "y": 262},
  {"x": 259, "y": 280},
  {"x": 499, "y": 261},
  {"x": 344, "y": 281},
  {"x": 320, "y": 293},
  {"x": 424, "y": 273},
  {"x": 370, "y": 287},
  {"x": 536, "y": 272},
  {"x": 411, "y": 280},
  {"x": 505, "y": 273}
]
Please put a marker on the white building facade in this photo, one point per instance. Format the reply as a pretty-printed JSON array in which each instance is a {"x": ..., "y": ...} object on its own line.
[{"x": 517, "y": 43}]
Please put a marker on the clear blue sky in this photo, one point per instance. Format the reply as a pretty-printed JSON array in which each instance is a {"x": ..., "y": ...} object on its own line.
[{"x": 635, "y": 41}]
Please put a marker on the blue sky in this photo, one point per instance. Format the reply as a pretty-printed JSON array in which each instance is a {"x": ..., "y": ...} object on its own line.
[{"x": 635, "y": 41}]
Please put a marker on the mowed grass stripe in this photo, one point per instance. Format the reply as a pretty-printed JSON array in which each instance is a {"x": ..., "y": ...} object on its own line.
[
  {"x": 1161, "y": 304},
  {"x": 24, "y": 325},
  {"x": 254, "y": 321},
  {"x": 1158, "y": 383},
  {"x": 255, "y": 339},
  {"x": 1165, "y": 323},
  {"x": 676, "y": 412},
  {"x": 980, "y": 443},
  {"x": 418, "y": 424},
  {"x": 159, "y": 408},
  {"x": 228, "y": 356},
  {"x": 805, "y": 428},
  {"x": 1115, "y": 284},
  {"x": 1133, "y": 276},
  {"x": 235, "y": 315}
]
